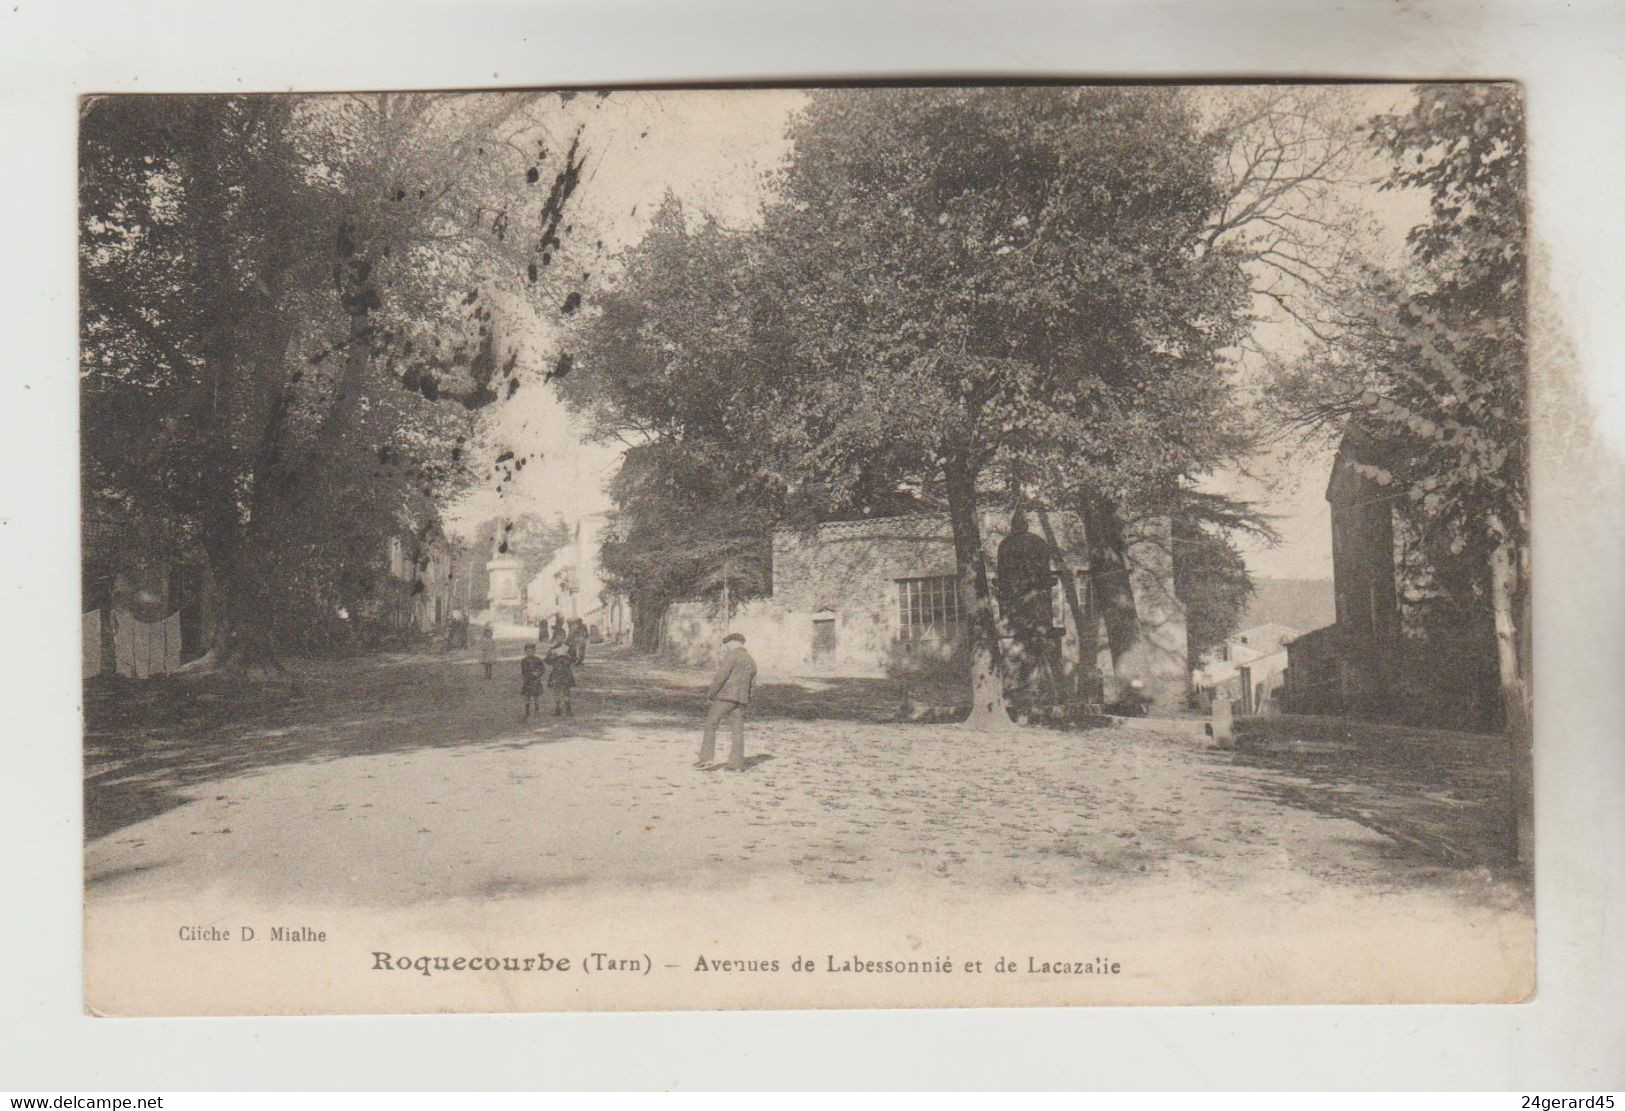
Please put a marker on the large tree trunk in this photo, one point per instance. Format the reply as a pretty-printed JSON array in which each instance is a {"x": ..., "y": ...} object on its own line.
[
  {"x": 244, "y": 621},
  {"x": 235, "y": 551},
  {"x": 359, "y": 299},
  {"x": 1109, "y": 572},
  {"x": 988, "y": 710},
  {"x": 220, "y": 537},
  {"x": 236, "y": 335},
  {"x": 1504, "y": 593},
  {"x": 647, "y": 619},
  {"x": 215, "y": 628},
  {"x": 1084, "y": 620},
  {"x": 243, "y": 555},
  {"x": 213, "y": 412}
]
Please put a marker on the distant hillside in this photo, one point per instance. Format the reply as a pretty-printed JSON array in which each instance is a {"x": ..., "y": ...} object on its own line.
[{"x": 1301, "y": 604}]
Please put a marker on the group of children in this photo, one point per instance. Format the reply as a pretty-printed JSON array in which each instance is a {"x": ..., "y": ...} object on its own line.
[{"x": 554, "y": 670}]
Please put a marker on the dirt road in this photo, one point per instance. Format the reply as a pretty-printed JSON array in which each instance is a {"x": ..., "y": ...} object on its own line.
[{"x": 403, "y": 779}]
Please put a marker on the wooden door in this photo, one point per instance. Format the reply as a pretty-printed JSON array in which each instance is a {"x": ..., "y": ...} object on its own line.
[{"x": 823, "y": 641}]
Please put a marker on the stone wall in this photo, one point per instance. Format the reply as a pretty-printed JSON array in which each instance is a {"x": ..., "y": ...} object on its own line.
[
  {"x": 694, "y": 632},
  {"x": 834, "y": 608}
]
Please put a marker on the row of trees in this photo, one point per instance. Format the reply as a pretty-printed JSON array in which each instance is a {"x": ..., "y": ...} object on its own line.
[
  {"x": 293, "y": 311},
  {"x": 291, "y": 314},
  {"x": 1046, "y": 294}
]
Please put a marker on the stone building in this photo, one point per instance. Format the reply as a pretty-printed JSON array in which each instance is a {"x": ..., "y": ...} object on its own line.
[
  {"x": 1389, "y": 654},
  {"x": 421, "y": 584},
  {"x": 1249, "y": 669},
  {"x": 1352, "y": 664},
  {"x": 572, "y": 585},
  {"x": 879, "y": 596}
]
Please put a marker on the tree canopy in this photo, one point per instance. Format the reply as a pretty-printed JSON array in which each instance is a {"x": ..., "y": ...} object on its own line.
[
  {"x": 952, "y": 293},
  {"x": 664, "y": 368},
  {"x": 1428, "y": 367},
  {"x": 291, "y": 308}
]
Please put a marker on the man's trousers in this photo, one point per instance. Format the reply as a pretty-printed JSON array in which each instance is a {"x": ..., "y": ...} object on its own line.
[{"x": 734, "y": 713}]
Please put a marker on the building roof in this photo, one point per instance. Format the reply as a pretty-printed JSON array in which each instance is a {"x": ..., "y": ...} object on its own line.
[
  {"x": 925, "y": 525},
  {"x": 929, "y": 525},
  {"x": 1267, "y": 631},
  {"x": 560, "y": 560},
  {"x": 1313, "y": 637},
  {"x": 1346, "y": 484}
]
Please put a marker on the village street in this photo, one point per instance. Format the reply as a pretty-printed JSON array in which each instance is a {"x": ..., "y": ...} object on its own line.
[
  {"x": 400, "y": 780},
  {"x": 1088, "y": 407}
]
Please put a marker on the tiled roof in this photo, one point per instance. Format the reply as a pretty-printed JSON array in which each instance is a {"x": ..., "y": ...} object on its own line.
[{"x": 932, "y": 526}]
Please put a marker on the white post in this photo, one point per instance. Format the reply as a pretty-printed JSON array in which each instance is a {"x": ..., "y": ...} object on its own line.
[{"x": 1221, "y": 726}]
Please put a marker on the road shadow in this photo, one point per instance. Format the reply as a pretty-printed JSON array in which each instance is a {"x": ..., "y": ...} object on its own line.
[
  {"x": 855, "y": 699},
  {"x": 1443, "y": 799},
  {"x": 148, "y": 745},
  {"x": 722, "y": 765},
  {"x": 839, "y": 699}
]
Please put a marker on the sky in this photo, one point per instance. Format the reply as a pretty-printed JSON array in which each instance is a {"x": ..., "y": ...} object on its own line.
[{"x": 714, "y": 149}]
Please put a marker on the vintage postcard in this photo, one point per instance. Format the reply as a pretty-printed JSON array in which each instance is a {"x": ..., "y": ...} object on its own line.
[{"x": 875, "y": 546}]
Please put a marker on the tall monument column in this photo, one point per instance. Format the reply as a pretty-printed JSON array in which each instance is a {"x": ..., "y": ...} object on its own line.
[{"x": 504, "y": 599}]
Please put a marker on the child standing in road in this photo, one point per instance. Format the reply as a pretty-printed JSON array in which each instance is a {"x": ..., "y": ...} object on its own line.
[
  {"x": 561, "y": 676},
  {"x": 531, "y": 671},
  {"x": 488, "y": 650}
]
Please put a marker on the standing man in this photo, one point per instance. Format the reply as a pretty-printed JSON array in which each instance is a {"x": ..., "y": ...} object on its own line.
[
  {"x": 577, "y": 639},
  {"x": 729, "y": 695}
]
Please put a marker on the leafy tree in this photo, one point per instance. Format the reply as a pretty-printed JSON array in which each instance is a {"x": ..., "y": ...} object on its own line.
[
  {"x": 1455, "y": 405},
  {"x": 178, "y": 337},
  {"x": 958, "y": 295},
  {"x": 1284, "y": 160},
  {"x": 291, "y": 311},
  {"x": 1429, "y": 366},
  {"x": 665, "y": 364},
  {"x": 985, "y": 282},
  {"x": 1211, "y": 579},
  {"x": 683, "y": 529}
]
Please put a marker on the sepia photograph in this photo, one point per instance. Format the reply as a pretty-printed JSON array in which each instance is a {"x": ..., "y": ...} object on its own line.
[{"x": 865, "y": 545}]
